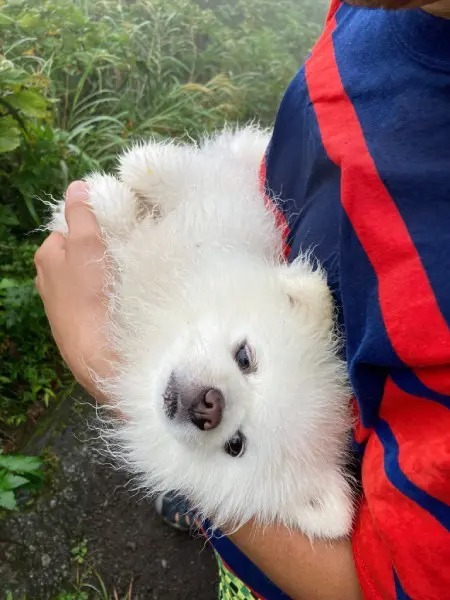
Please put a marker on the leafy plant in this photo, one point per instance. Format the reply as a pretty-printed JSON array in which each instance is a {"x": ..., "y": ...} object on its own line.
[
  {"x": 22, "y": 105},
  {"x": 88, "y": 584},
  {"x": 19, "y": 98},
  {"x": 79, "y": 80},
  {"x": 30, "y": 368},
  {"x": 18, "y": 473},
  {"x": 79, "y": 552}
]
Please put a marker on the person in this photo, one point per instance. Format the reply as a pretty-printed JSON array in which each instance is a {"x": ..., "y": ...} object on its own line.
[{"x": 358, "y": 162}]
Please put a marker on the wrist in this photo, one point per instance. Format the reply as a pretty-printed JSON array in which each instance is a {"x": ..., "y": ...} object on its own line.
[{"x": 90, "y": 363}]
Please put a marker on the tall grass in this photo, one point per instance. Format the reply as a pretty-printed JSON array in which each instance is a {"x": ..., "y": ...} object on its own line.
[{"x": 115, "y": 70}]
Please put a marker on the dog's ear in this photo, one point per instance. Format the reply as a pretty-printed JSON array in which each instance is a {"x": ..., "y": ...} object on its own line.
[{"x": 308, "y": 291}]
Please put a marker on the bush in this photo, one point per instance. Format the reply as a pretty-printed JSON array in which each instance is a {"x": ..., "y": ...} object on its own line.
[
  {"x": 31, "y": 371},
  {"x": 18, "y": 474},
  {"x": 95, "y": 75}
]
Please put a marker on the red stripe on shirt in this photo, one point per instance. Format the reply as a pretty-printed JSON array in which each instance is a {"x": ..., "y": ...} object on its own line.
[
  {"x": 334, "y": 5},
  {"x": 413, "y": 320},
  {"x": 422, "y": 430},
  {"x": 414, "y": 540},
  {"x": 373, "y": 567},
  {"x": 280, "y": 219}
]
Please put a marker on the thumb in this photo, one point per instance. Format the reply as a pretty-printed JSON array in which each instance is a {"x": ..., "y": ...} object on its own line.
[{"x": 80, "y": 219}]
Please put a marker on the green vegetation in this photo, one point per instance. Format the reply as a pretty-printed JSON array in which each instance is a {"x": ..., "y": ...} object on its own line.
[
  {"x": 17, "y": 474},
  {"x": 79, "y": 79},
  {"x": 88, "y": 583}
]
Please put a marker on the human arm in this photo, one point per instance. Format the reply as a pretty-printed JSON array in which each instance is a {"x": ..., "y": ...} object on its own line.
[
  {"x": 304, "y": 570},
  {"x": 70, "y": 280}
]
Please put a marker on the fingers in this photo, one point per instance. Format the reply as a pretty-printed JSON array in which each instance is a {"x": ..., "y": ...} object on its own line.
[
  {"x": 51, "y": 249},
  {"x": 84, "y": 240},
  {"x": 51, "y": 246},
  {"x": 50, "y": 253},
  {"x": 79, "y": 216},
  {"x": 80, "y": 249}
]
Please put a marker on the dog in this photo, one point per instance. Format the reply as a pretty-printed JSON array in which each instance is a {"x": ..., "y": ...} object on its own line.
[{"x": 230, "y": 376}]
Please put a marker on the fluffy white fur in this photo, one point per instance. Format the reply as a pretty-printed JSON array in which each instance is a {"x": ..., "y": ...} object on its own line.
[{"x": 197, "y": 270}]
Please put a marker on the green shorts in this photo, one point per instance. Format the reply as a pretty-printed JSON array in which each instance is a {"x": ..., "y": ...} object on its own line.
[{"x": 230, "y": 587}]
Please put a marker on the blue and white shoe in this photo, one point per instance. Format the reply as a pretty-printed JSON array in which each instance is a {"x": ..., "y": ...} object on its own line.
[{"x": 175, "y": 511}]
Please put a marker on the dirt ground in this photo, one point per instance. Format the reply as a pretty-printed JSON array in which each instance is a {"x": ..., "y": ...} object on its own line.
[{"x": 89, "y": 504}]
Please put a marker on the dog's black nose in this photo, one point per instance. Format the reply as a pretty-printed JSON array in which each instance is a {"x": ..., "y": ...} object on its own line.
[{"x": 206, "y": 410}]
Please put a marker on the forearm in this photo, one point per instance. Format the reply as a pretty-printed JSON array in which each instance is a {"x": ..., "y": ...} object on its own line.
[{"x": 303, "y": 570}]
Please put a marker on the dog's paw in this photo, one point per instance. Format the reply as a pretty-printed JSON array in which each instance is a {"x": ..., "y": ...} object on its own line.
[
  {"x": 114, "y": 205},
  {"x": 309, "y": 293},
  {"x": 158, "y": 172},
  {"x": 247, "y": 145},
  {"x": 329, "y": 515}
]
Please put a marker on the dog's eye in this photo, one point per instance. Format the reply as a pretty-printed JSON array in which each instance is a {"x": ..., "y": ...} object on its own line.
[
  {"x": 236, "y": 446},
  {"x": 244, "y": 359}
]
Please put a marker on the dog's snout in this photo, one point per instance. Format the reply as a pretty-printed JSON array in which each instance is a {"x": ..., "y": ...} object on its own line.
[
  {"x": 200, "y": 405},
  {"x": 207, "y": 409}
]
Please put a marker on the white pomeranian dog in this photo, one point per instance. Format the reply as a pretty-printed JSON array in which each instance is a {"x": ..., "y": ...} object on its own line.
[{"x": 229, "y": 377}]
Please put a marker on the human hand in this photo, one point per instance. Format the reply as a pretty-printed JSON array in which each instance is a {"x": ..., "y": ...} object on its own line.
[{"x": 71, "y": 280}]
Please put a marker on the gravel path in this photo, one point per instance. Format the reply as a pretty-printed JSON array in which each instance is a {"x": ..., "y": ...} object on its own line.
[{"x": 121, "y": 537}]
